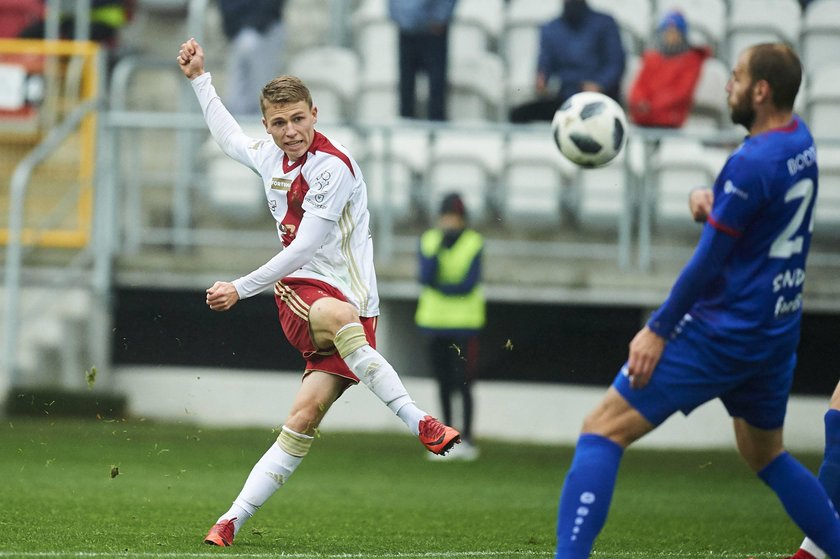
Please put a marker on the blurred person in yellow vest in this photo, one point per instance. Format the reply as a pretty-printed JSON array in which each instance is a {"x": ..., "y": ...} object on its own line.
[{"x": 451, "y": 310}]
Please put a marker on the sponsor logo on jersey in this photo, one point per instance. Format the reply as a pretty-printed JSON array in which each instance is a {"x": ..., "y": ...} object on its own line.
[
  {"x": 279, "y": 183},
  {"x": 789, "y": 278},
  {"x": 730, "y": 188},
  {"x": 788, "y": 306}
]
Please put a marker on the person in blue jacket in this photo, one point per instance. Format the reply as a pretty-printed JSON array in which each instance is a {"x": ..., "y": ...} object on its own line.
[{"x": 579, "y": 51}]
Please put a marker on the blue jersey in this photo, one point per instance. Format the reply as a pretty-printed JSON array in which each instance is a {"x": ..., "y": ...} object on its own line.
[{"x": 750, "y": 301}]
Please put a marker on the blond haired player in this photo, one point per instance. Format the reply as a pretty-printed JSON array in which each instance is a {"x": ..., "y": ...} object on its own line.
[{"x": 323, "y": 278}]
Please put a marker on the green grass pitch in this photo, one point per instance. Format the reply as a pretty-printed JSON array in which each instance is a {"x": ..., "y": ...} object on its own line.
[{"x": 358, "y": 496}]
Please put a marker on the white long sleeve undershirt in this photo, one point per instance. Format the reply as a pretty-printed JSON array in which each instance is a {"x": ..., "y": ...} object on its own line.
[{"x": 310, "y": 236}]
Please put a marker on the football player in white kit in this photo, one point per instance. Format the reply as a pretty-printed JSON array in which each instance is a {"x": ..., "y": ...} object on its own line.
[{"x": 323, "y": 277}]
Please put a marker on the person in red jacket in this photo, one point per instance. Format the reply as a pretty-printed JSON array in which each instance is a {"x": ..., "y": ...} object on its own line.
[{"x": 663, "y": 90}]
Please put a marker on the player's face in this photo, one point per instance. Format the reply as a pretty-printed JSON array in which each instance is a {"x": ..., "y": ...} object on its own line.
[
  {"x": 292, "y": 126},
  {"x": 739, "y": 89}
]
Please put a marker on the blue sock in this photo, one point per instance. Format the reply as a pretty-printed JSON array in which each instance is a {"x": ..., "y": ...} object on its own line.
[
  {"x": 805, "y": 501},
  {"x": 830, "y": 469},
  {"x": 586, "y": 496}
]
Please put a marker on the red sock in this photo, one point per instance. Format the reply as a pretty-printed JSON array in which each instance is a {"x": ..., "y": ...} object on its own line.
[{"x": 802, "y": 554}]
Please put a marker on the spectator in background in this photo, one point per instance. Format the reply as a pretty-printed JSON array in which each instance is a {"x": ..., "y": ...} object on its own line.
[
  {"x": 579, "y": 51},
  {"x": 423, "y": 46},
  {"x": 255, "y": 31},
  {"x": 663, "y": 91},
  {"x": 107, "y": 17},
  {"x": 451, "y": 310}
]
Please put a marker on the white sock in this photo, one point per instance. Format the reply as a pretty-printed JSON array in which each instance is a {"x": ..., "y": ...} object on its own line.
[
  {"x": 812, "y": 548},
  {"x": 381, "y": 378},
  {"x": 411, "y": 416},
  {"x": 267, "y": 476}
]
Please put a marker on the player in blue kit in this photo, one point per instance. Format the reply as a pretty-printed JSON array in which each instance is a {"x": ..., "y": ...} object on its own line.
[
  {"x": 730, "y": 326},
  {"x": 829, "y": 474}
]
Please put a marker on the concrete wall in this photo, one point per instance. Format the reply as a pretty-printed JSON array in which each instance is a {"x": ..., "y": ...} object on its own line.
[{"x": 510, "y": 411}]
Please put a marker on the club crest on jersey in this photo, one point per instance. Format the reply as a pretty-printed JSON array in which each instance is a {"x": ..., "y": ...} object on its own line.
[
  {"x": 322, "y": 181},
  {"x": 279, "y": 183}
]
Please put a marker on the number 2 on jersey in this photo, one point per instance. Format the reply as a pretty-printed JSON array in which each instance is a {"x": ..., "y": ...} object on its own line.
[{"x": 788, "y": 243}]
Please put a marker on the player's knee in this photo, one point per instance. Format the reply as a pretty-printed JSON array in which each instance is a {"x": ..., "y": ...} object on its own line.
[
  {"x": 306, "y": 419},
  {"x": 623, "y": 425}
]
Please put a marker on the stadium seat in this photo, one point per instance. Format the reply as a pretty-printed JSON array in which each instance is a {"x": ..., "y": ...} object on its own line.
[
  {"x": 709, "y": 110},
  {"x": 332, "y": 75},
  {"x": 599, "y": 197},
  {"x": 393, "y": 166},
  {"x": 706, "y": 20},
  {"x": 520, "y": 51},
  {"x": 476, "y": 26},
  {"x": 347, "y": 136},
  {"x": 632, "y": 66},
  {"x": 531, "y": 12},
  {"x": 232, "y": 190},
  {"x": 823, "y": 101},
  {"x": 800, "y": 104},
  {"x": 827, "y": 216},
  {"x": 533, "y": 179},
  {"x": 376, "y": 44},
  {"x": 465, "y": 160},
  {"x": 679, "y": 165},
  {"x": 474, "y": 92},
  {"x": 520, "y": 45},
  {"x": 820, "y": 34},
  {"x": 760, "y": 21},
  {"x": 633, "y": 18},
  {"x": 367, "y": 11},
  {"x": 377, "y": 102}
]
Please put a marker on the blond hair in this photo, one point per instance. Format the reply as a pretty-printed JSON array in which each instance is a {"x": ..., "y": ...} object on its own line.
[{"x": 285, "y": 90}]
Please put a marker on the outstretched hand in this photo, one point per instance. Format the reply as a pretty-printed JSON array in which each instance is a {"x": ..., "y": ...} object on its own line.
[{"x": 191, "y": 58}]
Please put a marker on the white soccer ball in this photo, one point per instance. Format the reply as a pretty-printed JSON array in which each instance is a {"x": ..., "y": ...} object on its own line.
[{"x": 590, "y": 129}]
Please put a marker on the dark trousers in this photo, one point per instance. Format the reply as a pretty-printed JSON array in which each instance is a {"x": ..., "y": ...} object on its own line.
[
  {"x": 533, "y": 111},
  {"x": 453, "y": 360},
  {"x": 99, "y": 32},
  {"x": 423, "y": 52}
]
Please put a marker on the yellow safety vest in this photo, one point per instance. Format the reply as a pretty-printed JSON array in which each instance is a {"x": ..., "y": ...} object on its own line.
[
  {"x": 437, "y": 310},
  {"x": 112, "y": 16}
]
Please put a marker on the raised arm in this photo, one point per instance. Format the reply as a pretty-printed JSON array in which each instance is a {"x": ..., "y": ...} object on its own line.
[{"x": 224, "y": 128}]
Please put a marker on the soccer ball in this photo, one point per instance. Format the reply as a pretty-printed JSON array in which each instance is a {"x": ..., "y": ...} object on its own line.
[{"x": 590, "y": 129}]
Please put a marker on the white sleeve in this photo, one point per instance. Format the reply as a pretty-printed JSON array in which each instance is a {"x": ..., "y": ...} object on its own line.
[
  {"x": 310, "y": 236},
  {"x": 224, "y": 128}
]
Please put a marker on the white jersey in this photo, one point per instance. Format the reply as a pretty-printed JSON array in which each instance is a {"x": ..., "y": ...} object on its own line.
[{"x": 326, "y": 181}]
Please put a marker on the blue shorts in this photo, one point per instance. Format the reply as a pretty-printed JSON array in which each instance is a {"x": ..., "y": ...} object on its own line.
[{"x": 693, "y": 370}]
